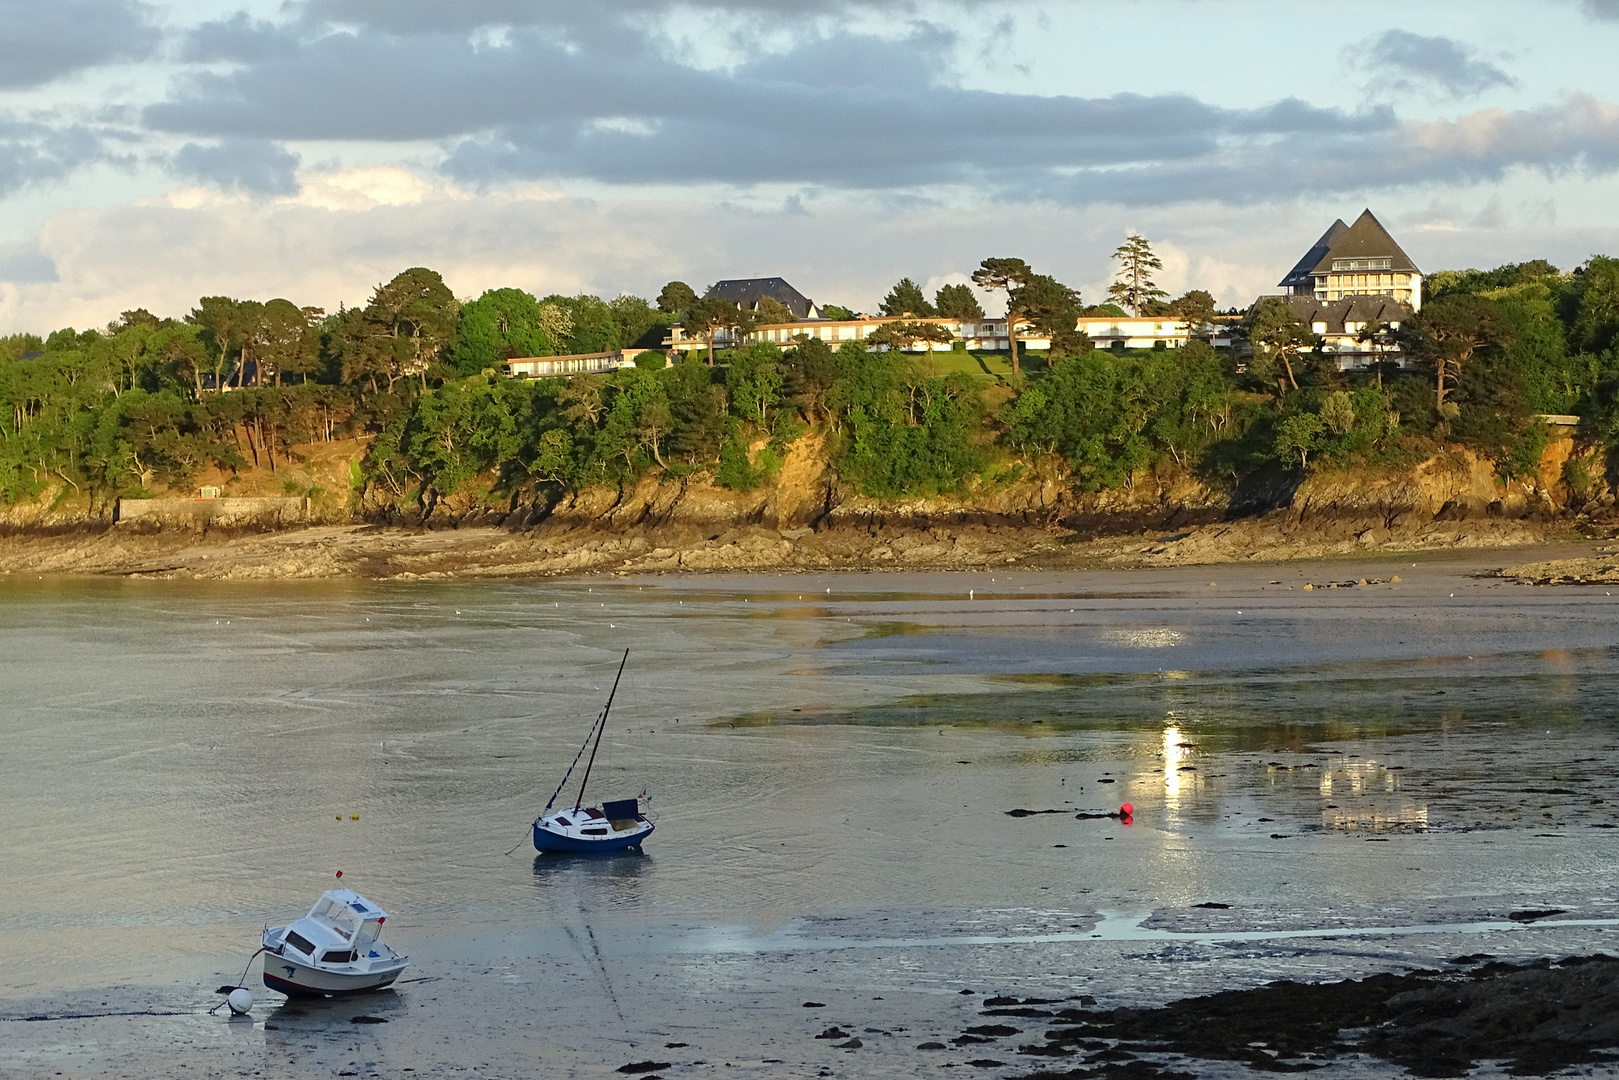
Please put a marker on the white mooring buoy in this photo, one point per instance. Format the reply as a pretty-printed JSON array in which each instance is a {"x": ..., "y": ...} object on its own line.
[{"x": 240, "y": 1001}]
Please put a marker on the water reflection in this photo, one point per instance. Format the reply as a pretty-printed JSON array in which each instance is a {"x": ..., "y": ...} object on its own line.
[
  {"x": 290, "y": 1026},
  {"x": 1140, "y": 637},
  {"x": 618, "y": 878},
  {"x": 1172, "y": 754}
]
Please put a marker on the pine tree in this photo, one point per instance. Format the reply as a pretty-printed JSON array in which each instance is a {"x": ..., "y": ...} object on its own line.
[
  {"x": 1133, "y": 286},
  {"x": 906, "y": 298},
  {"x": 957, "y": 302}
]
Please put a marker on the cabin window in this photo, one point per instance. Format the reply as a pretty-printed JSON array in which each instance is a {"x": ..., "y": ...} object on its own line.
[
  {"x": 338, "y": 957},
  {"x": 594, "y": 832},
  {"x": 562, "y": 820},
  {"x": 301, "y": 943}
]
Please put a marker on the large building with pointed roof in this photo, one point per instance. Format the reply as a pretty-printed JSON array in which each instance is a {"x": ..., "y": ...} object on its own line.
[
  {"x": 746, "y": 293},
  {"x": 1356, "y": 260}
]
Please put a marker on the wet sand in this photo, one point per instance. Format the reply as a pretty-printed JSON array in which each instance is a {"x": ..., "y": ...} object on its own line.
[{"x": 1369, "y": 779}]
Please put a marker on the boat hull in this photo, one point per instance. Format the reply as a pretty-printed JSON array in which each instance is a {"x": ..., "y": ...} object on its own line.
[
  {"x": 294, "y": 979},
  {"x": 546, "y": 840}
]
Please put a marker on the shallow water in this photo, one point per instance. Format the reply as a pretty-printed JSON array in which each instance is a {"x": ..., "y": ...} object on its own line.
[{"x": 831, "y": 758}]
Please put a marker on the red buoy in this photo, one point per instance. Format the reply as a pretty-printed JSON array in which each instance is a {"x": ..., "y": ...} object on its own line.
[
  {"x": 340, "y": 873},
  {"x": 1126, "y": 810}
]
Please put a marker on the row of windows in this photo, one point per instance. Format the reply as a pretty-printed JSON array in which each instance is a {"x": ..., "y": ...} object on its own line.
[{"x": 1363, "y": 264}]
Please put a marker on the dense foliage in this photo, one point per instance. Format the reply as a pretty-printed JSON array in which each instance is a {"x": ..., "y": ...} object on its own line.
[{"x": 151, "y": 403}]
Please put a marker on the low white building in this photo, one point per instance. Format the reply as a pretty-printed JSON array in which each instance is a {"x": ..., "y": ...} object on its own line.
[
  {"x": 978, "y": 335},
  {"x": 542, "y": 367}
]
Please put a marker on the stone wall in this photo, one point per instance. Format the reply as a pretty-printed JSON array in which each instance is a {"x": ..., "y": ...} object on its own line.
[{"x": 232, "y": 511}]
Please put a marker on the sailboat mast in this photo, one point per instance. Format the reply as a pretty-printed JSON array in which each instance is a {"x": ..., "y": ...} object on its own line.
[{"x": 601, "y": 728}]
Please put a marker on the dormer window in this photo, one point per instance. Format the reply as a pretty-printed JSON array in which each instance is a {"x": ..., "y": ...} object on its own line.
[{"x": 1341, "y": 265}]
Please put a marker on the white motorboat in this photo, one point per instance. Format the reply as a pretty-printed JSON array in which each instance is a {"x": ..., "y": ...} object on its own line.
[{"x": 332, "y": 950}]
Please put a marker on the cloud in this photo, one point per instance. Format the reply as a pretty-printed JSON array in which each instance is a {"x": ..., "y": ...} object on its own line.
[
  {"x": 1606, "y": 10},
  {"x": 35, "y": 153},
  {"x": 44, "y": 41},
  {"x": 349, "y": 229},
  {"x": 850, "y": 111},
  {"x": 22, "y": 261},
  {"x": 256, "y": 166},
  {"x": 1408, "y": 61}
]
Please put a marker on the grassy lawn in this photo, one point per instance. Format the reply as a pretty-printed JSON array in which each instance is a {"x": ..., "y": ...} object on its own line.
[{"x": 989, "y": 366}]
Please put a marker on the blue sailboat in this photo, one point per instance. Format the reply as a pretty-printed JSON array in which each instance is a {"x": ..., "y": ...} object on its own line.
[{"x": 615, "y": 825}]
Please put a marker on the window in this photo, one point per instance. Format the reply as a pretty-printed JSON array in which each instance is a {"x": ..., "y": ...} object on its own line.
[
  {"x": 338, "y": 956},
  {"x": 301, "y": 943},
  {"x": 1362, "y": 264}
]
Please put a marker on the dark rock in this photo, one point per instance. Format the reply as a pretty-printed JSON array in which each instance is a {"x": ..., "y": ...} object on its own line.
[
  {"x": 814, "y": 1004},
  {"x": 833, "y": 1032},
  {"x": 1533, "y": 916},
  {"x": 643, "y": 1067},
  {"x": 930, "y": 1046},
  {"x": 994, "y": 1031},
  {"x": 852, "y": 1044},
  {"x": 367, "y": 1020}
]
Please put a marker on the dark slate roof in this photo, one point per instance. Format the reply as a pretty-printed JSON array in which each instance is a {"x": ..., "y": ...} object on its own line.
[
  {"x": 1299, "y": 276},
  {"x": 1351, "y": 309},
  {"x": 1365, "y": 239},
  {"x": 747, "y": 292}
]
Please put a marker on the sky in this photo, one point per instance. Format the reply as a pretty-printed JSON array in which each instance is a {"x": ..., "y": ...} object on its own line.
[{"x": 152, "y": 152}]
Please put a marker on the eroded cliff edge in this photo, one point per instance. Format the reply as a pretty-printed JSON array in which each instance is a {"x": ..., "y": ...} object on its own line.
[{"x": 804, "y": 518}]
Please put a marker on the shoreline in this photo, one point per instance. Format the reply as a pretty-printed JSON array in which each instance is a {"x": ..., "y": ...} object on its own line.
[{"x": 385, "y": 552}]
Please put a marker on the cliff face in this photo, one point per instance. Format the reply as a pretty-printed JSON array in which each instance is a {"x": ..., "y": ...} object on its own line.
[{"x": 804, "y": 518}]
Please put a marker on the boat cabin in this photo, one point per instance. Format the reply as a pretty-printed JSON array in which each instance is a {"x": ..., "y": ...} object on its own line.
[{"x": 338, "y": 929}]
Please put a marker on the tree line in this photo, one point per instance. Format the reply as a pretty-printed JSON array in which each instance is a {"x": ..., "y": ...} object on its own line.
[{"x": 151, "y": 402}]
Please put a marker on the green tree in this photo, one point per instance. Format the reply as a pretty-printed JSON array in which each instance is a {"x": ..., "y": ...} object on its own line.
[
  {"x": 223, "y": 326},
  {"x": 1297, "y": 434},
  {"x": 1194, "y": 308},
  {"x": 770, "y": 311},
  {"x": 710, "y": 315},
  {"x": 594, "y": 329},
  {"x": 499, "y": 325},
  {"x": 1596, "y": 294},
  {"x": 1052, "y": 308},
  {"x": 1447, "y": 333},
  {"x": 1133, "y": 286},
  {"x": 905, "y": 334},
  {"x": 1006, "y": 275},
  {"x": 282, "y": 342},
  {"x": 838, "y": 313},
  {"x": 640, "y": 325},
  {"x": 1278, "y": 336},
  {"x": 906, "y": 299},
  {"x": 957, "y": 302},
  {"x": 418, "y": 312},
  {"x": 676, "y": 298}
]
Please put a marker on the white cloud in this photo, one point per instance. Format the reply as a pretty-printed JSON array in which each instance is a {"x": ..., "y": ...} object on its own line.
[{"x": 348, "y": 230}]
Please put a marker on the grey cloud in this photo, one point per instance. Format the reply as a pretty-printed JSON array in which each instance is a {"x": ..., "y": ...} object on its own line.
[
  {"x": 239, "y": 38},
  {"x": 1607, "y": 10},
  {"x": 22, "y": 262},
  {"x": 536, "y": 109},
  {"x": 46, "y": 40},
  {"x": 1580, "y": 134},
  {"x": 252, "y": 165},
  {"x": 435, "y": 16},
  {"x": 844, "y": 111},
  {"x": 1411, "y": 60},
  {"x": 32, "y": 153}
]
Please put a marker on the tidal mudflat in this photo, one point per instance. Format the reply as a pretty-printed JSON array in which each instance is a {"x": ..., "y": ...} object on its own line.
[{"x": 1329, "y": 783}]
